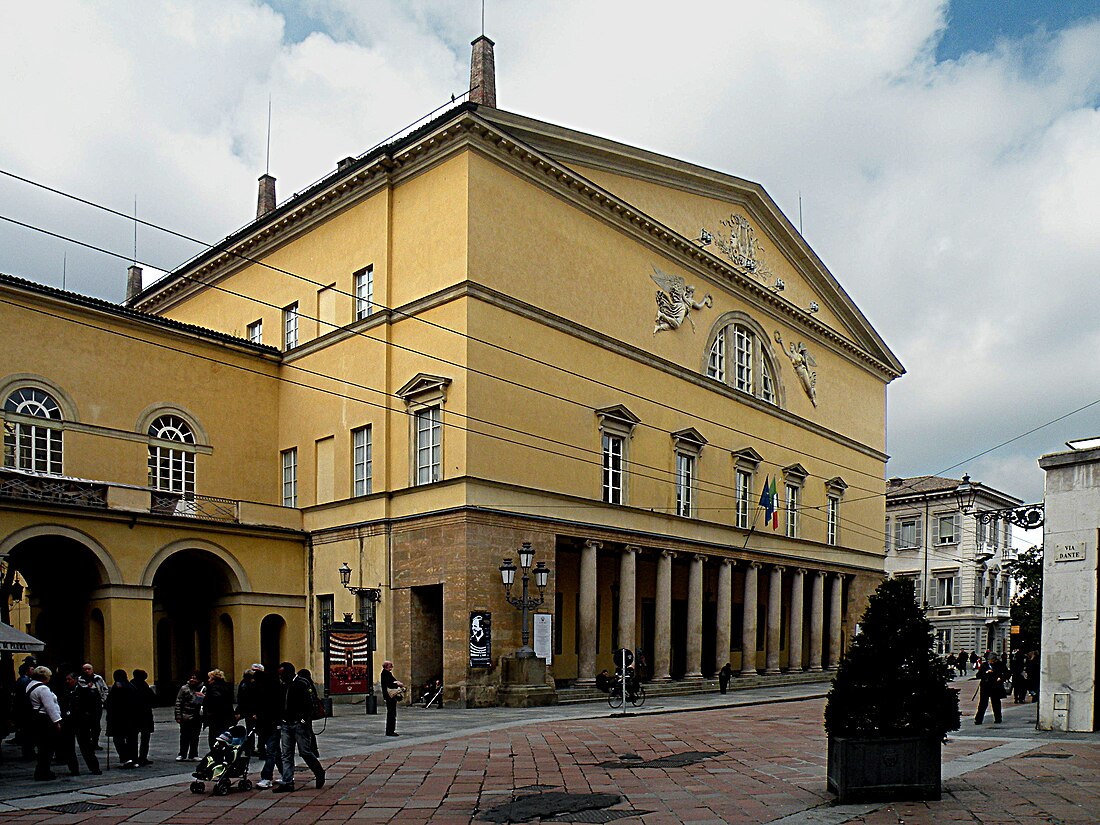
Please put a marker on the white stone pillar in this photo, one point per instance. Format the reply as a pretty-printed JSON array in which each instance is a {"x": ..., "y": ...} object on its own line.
[
  {"x": 586, "y": 614},
  {"x": 724, "y": 613},
  {"x": 775, "y": 620},
  {"x": 748, "y": 621},
  {"x": 628, "y": 605},
  {"x": 662, "y": 635},
  {"x": 835, "y": 605},
  {"x": 694, "y": 646},
  {"x": 817, "y": 617},
  {"x": 794, "y": 647}
]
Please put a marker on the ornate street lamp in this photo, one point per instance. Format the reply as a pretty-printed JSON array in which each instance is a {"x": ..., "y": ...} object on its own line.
[
  {"x": 372, "y": 595},
  {"x": 525, "y": 602},
  {"x": 1028, "y": 517}
]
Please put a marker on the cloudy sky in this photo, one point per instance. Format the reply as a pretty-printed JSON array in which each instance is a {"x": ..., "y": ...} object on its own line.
[{"x": 947, "y": 155}]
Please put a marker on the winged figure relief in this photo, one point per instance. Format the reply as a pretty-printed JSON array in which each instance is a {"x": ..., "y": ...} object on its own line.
[
  {"x": 802, "y": 362},
  {"x": 675, "y": 300}
]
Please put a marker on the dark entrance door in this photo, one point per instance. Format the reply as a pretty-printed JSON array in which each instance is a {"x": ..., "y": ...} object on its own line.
[
  {"x": 426, "y": 645},
  {"x": 678, "y": 628}
]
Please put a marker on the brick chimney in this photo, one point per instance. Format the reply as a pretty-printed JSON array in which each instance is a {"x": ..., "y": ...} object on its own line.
[
  {"x": 483, "y": 73},
  {"x": 133, "y": 282},
  {"x": 265, "y": 201}
]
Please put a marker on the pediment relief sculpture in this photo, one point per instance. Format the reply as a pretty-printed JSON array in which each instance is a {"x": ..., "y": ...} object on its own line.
[
  {"x": 675, "y": 301},
  {"x": 802, "y": 361},
  {"x": 743, "y": 249}
]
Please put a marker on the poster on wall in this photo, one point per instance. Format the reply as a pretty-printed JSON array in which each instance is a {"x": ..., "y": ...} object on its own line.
[
  {"x": 481, "y": 638},
  {"x": 348, "y": 656},
  {"x": 544, "y": 636}
]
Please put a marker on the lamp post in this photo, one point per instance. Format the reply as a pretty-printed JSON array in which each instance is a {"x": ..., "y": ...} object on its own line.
[
  {"x": 1029, "y": 516},
  {"x": 525, "y": 602},
  {"x": 373, "y": 597}
]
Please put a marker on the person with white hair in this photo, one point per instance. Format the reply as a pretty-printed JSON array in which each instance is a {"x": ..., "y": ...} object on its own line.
[{"x": 46, "y": 716}]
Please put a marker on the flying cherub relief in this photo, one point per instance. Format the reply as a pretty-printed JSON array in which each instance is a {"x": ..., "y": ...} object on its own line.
[{"x": 675, "y": 300}]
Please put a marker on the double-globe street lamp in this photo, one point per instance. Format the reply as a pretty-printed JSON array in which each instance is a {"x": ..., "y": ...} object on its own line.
[
  {"x": 372, "y": 596},
  {"x": 525, "y": 602}
]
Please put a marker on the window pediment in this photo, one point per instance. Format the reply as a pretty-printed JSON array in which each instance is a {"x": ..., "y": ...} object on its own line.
[
  {"x": 424, "y": 388},
  {"x": 617, "y": 420},
  {"x": 747, "y": 459},
  {"x": 689, "y": 440},
  {"x": 795, "y": 474}
]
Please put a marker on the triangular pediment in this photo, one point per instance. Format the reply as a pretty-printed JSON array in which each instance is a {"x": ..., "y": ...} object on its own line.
[
  {"x": 423, "y": 384},
  {"x": 619, "y": 413},
  {"x": 690, "y": 436},
  {"x": 747, "y": 455},
  {"x": 796, "y": 471}
]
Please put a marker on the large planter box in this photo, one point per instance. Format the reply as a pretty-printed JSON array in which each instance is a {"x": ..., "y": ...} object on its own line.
[{"x": 862, "y": 770}]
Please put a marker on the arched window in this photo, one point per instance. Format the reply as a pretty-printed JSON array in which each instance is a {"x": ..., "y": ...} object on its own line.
[
  {"x": 739, "y": 342},
  {"x": 33, "y": 445},
  {"x": 172, "y": 456}
]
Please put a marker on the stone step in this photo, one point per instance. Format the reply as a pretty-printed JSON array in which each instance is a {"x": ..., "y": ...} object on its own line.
[{"x": 686, "y": 687}]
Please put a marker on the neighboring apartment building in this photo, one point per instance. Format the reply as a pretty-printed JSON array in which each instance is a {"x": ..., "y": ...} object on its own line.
[
  {"x": 955, "y": 561},
  {"x": 492, "y": 331}
]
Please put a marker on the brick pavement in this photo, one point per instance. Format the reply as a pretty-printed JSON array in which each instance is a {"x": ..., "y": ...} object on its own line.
[{"x": 770, "y": 766}]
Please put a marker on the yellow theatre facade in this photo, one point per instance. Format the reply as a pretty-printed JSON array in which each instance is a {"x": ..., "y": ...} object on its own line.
[{"x": 497, "y": 331}]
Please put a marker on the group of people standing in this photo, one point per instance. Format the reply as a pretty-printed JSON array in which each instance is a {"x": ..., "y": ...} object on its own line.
[{"x": 993, "y": 675}]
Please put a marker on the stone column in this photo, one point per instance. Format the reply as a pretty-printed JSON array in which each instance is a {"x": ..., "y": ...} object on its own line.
[
  {"x": 725, "y": 609},
  {"x": 628, "y": 608},
  {"x": 817, "y": 617},
  {"x": 835, "y": 605},
  {"x": 662, "y": 635},
  {"x": 775, "y": 620},
  {"x": 586, "y": 614},
  {"x": 794, "y": 648},
  {"x": 748, "y": 622},
  {"x": 694, "y": 646}
]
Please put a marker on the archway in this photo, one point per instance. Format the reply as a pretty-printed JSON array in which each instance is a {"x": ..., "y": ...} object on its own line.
[
  {"x": 61, "y": 571},
  {"x": 272, "y": 629},
  {"x": 191, "y": 633}
]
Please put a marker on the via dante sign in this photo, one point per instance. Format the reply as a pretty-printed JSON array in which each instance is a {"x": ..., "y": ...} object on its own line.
[
  {"x": 481, "y": 638},
  {"x": 1069, "y": 552}
]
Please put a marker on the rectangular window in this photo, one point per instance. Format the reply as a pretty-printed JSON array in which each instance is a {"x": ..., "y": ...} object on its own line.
[
  {"x": 946, "y": 528},
  {"x": 907, "y": 532},
  {"x": 716, "y": 365},
  {"x": 946, "y": 591},
  {"x": 743, "y": 483},
  {"x": 429, "y": 440},
  {"x": 290, "y": 326},
  {"x": 685, "y": 481},
  {"x": 290, "y": 477},
  {"x": 364, "y": 292},
  {"x": 742, "y": 351},
  {"x": 943, "y": 641},
  {"x": 832, "y": 520},
  {"x": 256, "y": 332},
  {"x": 767, "y": 386},
  {"x": 792, "y": 511},
  {"x": 326, "y": 615},
  {"x": 361, "y": 461},
  {"x": 612, "y": 469}
]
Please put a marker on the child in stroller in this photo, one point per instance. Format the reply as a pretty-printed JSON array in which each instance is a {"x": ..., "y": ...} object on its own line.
[{"x": 227, "y": 760}]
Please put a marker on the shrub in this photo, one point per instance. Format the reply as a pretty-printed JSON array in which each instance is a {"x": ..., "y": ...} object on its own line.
[{"x": 891, "y": 682}]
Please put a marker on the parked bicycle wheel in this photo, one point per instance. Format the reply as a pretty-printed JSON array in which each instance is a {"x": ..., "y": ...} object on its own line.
[
  {"x": 638, "y": 699},
  {"x": 615, "y": 697}
]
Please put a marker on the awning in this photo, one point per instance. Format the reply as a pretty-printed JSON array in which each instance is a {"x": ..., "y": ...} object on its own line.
[{"x": 16, "y": 641}]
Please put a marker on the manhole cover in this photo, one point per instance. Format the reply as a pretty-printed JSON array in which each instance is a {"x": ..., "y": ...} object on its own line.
[
  {"x": 598, "y": 816},
  {"x": 77, "y": 807},
  {"x": 675, "y": 760},
  {"x": 550, "y": 805},
  {"x": 536, "y": 788}
]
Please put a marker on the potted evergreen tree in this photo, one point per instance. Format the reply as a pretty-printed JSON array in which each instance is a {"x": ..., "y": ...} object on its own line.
[{"x": 891, "y": 705}]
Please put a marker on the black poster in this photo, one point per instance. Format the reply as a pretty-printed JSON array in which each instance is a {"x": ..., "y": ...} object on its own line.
[{"x": 481, "y": 638}]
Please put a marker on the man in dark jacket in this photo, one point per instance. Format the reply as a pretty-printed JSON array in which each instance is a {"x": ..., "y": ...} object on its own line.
[
  {"x": 217, "y": 708},
  {"x": 296, "y": 722},
  {"x": 145, "y": 698},
  {"x": 122, "y": 719},
  {"x": 265, "y": 703},
  {"x": 81, "y": 711},
  {"x": 991, "y": 688},
  {"x": 391, "y": 695}
]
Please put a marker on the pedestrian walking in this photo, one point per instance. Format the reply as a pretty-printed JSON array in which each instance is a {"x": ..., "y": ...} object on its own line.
[
  {"x": 217, "y": 706},
  {"x": 960, "y": 662},
  {"x": 21, "y": 718},
  {"x": 94, "y": 680},
  {"x": 1031, "y": 674},
  {"x": 45, "y": 721},
  {"x": 122, "y": 721},
  {"x": 1019, "y": 680},
  {"x": 81, "y": 711},
  {"x": 391, "y": 693},
  {"x": 189, "y": 717},
  {"x": 145, "y": 699},
  {"x": 991, "y": 688},
  {"x": 266, "y": 704},
  {"x": 296, "y": 722}
]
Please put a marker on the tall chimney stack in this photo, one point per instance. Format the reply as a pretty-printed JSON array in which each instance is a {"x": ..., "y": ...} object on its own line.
[
  {"x": 265, "y": 201},
  {"x": 483, "y": 73},
  {"x": 133, "y": 282}
]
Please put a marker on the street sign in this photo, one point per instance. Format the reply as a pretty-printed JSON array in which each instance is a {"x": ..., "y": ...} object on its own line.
[
  {"x": 1015, "y": 630},
  {"x": 624, "y": 657}
]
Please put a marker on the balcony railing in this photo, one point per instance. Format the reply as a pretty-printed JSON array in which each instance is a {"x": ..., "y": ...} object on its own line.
[
  {"x": 207, "y": 508},
  {"x": 52, "y": 489}
]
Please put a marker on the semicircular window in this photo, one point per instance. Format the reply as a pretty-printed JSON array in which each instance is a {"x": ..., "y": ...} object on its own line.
[
  {"x": 172, "y": 467},
  {"x": 32, "y": 445},
  {"x": 739, "y": 357}
]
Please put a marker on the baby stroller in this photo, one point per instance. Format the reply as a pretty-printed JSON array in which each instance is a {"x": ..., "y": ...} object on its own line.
[{"x": 227, "y": 760}]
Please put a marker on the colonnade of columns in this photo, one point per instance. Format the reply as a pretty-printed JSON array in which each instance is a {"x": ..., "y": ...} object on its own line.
[{"x": 820, "y": 644}]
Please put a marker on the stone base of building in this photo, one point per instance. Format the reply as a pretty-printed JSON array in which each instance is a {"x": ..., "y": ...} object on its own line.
[{"x": 523, "y": 683}]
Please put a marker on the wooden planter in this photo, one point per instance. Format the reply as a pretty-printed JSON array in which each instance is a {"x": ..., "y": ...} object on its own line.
[{"x": 863, "y": 770}]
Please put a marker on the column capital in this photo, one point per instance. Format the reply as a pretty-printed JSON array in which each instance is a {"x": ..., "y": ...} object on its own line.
[
  {"x": 631, "y": 548},
  {"x": 778, "y": 568},
  {"x": 801, "y": 571},
  {"x": 726, "y": 562},
  {"x": 755, "y": 565},
  {"x": 699, "y": 557},
  {"x": 821, "y": 573},
  {"x": 665, "y": 553},
  {"x": 593, "y": 544}
]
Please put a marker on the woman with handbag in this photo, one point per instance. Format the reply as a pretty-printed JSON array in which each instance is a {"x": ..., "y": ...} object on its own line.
[{"x": 392, "y": 692}]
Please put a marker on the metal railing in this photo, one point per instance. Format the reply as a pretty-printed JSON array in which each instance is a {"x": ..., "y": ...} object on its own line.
[
  {"x": 52, "y": 489},
  {"x": 205, "y": 508}
]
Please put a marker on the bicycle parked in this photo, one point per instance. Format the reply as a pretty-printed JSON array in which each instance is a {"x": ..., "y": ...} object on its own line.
[{"x": 635, "y": 690}]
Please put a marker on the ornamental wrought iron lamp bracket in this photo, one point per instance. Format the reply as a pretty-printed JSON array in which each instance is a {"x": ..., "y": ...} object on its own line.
[{"x": 1029, "y": 516}]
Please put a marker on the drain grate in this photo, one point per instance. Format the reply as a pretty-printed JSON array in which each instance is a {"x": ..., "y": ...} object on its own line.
[
  {"x": 77, "y": 807},
  {"x": 1047, "y": 756},
  {"x": 675, "y": 760},
  {"x": 536, "y": 788},
  {"x": 598, "y": 816},
  {"x": 554, "y": 805}
]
